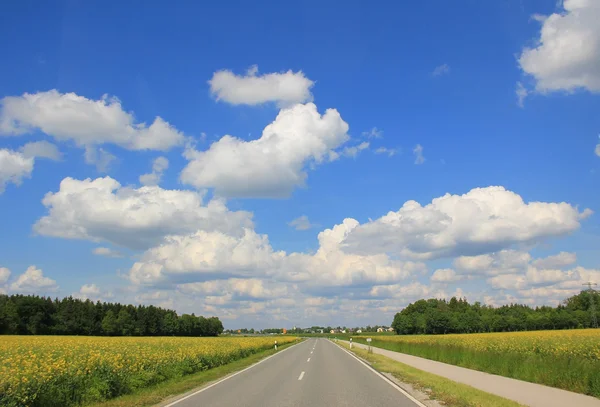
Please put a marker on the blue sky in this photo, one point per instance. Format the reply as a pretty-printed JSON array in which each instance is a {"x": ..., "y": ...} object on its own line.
[{"x": 492, "y": 94}]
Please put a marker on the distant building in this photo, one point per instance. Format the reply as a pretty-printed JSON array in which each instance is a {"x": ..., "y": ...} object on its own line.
[
  {"x": 343, "y": 331},
  {"x": 379, "y": 329},
  {"x": 359, "y": 331},
  {"x": 390, "y": 329},
  {"x": 332, "y": 331}
]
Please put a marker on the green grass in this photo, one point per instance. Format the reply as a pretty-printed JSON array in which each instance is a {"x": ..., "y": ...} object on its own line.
[
  {"x": 572, "y": 374},
  {"x": 151, "y": 396},
  {"x": 438, "y": 388}
]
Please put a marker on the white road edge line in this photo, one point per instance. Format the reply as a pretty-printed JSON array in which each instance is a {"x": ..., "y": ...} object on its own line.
[
  {"x": 391, "y": 383},
  {"x": 301, "y": 376},
  {"x": 230, "y": 376}
]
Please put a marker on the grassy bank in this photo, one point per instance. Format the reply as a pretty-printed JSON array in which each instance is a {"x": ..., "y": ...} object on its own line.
[
  {"x": 552, "y": 358},
  {"x": 438, "y": 388},
  {"x": 175, "y": 388}
]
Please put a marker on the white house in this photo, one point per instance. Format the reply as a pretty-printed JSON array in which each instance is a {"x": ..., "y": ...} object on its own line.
[
  {"x": 390, "y": 329},
  {"x": 359, "y": 331},
  {"x": 379, "y": 329}
]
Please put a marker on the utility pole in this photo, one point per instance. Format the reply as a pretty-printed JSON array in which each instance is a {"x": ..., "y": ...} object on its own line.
[{"x": 591, "y": 292}]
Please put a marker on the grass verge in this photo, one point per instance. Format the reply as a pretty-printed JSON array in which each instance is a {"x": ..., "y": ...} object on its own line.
[
  {"x": 150, "y": 396},
  {"x": 439, "y": 388},
  {"x": 572, "y": 374}
]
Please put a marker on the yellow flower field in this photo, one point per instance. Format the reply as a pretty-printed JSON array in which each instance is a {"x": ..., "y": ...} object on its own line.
[
  {"x": 568, "y": 359},
  {"x": 41, "y": 370},
  {"x": 579, "y": 343}
]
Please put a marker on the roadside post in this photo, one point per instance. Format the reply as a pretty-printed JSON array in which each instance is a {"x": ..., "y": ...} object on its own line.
[
  {"x": 275, "y": 345},
  {"x": 369, "y": 348},
  {"x": 350, "y": 343}
]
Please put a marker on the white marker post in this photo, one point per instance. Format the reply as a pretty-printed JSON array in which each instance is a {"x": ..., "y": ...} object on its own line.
[
  {"x": 369, "y": 349},
  {"x": 350, "y": 343},
  {"x": 275, "y": 345}
]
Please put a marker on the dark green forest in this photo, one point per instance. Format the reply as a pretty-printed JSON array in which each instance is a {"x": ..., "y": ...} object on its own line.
[
  {"x": 435, "y": 316},
  {"x": 33, "y": 315}
]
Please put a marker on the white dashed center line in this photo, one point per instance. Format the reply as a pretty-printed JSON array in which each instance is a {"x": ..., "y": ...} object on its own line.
[
  {"x": 301, "y": 376},
  {"x": 308, "y": 360}
]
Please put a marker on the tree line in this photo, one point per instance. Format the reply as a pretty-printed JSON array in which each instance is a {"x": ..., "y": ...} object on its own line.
[
  {"x": 34, "y": 315},
  {"x": 436, "y": 316}
]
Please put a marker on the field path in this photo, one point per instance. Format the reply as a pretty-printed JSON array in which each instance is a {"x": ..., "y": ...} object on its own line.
[
  {"x": 315, "y": 372},
  {"x": 529, "y": 394}
]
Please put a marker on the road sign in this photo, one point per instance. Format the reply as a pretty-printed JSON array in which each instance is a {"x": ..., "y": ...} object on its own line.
[{"x": 368, "y": 339}]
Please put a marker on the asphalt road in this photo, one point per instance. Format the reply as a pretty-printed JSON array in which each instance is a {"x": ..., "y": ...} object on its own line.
[{"x": 313, "y": 373}]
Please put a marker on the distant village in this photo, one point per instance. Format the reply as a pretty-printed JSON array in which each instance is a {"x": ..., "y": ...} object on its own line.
[{"x": 312, "y": 330}]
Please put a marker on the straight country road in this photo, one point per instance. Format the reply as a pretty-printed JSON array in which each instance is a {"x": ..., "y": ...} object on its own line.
[{"x": 313, "y": 373}]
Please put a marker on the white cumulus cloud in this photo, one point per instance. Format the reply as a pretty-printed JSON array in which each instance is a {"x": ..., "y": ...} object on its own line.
[
  {"x": 301, "y": 223},
  {"x": 556, "y": 261},
  {"x": 159, "y": 165},
  {"x": 236, "y": 289},
  {"x": 273, "y": 165},
  {"x": 373, "y": 133},
  {"x": 491, "y": 264},
  {"x": 353, "y": 151},
  {"x": 32, "y": 281},
  {"x": 92, "y": 292},
  {"x": 203, "y": 255},
  {"x": 285, "y": 89},
  {"x": 41, "y": 149},
  {"x": 418, "y": 153},
  {"x": 532, "y": 278},
  {"x": 445, "y": 276},
  {"x": 481, "y": 221},
  {"x": 408, "y": 292},
  {"x": 99, "y": 157},
  {"x": 89, "y": 289},
  {"x": 521, "y": 93},
  {"x": 384, "y": 150},
  {"x": 440, "y": 70},
  {"x": 516, "y": 270},
  {"x": 566, "y": 56},
  {"x": 103, "y": 210},
  {"x": 188, "y": 257},
  {"x": 4, "y": 275},
  {"x": 14, "y": 167},
  {"x": 508, "y": 282},
  {"x": 87, "y": 122}
]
